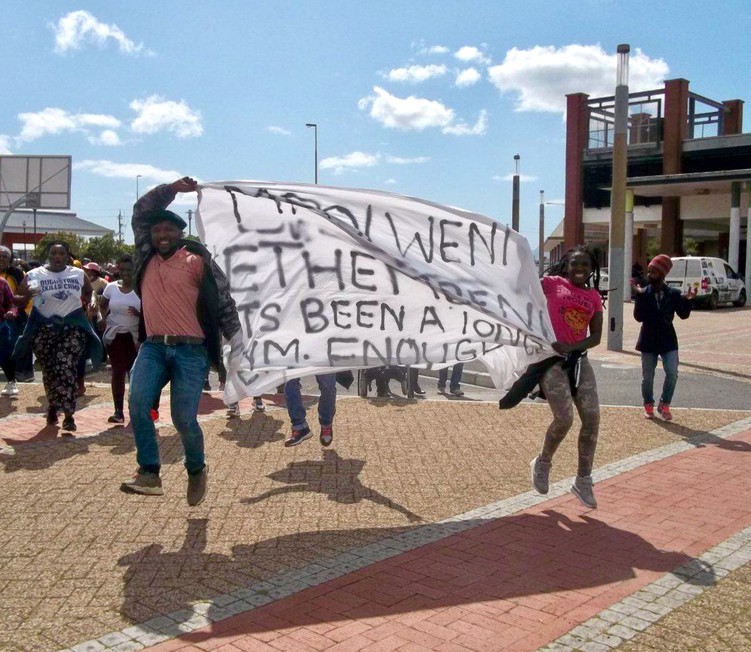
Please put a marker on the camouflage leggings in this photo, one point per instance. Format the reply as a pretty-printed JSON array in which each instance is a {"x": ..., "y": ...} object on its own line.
[{"x": 555, "y": 383}]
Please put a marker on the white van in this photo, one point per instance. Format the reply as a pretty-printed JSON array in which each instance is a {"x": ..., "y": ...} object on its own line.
[{"x": 714, "y": 280}]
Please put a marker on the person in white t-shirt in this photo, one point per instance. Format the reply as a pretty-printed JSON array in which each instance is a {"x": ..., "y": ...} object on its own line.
[
  {"x": 58, "y": 329},
  {"x": 120, "y": 308}
]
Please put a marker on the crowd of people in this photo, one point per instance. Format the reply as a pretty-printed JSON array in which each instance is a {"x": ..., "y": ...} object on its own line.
[{"x": 163, "y": 316}]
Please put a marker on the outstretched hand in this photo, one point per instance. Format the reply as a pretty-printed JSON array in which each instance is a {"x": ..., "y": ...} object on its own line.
[
  {"x": 691, "y": 293},
  {"x": 637, "y": 288},
  {"x": 186, "y": 184}
]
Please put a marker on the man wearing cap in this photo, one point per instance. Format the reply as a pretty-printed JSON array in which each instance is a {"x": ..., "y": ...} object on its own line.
[
  {"x": 655, "y": 307},
  {"x": 185, "y": 308}
]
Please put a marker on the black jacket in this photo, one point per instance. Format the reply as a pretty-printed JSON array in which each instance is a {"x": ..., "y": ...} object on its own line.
[
  {"x": 657, "y": 333},
  {"x": 216, "y": 309}
]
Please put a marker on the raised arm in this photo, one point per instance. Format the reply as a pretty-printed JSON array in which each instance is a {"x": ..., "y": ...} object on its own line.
[{"x": 157, "y": 198}]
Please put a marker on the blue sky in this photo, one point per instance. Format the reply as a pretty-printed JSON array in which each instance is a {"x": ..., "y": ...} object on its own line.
[{"x": 429, "y": 99}]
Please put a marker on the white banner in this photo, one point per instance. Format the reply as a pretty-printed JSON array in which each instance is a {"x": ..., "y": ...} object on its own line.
[{"x": 329, "y": 279}]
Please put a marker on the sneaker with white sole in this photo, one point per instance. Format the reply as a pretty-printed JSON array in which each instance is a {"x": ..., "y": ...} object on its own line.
[
  {"x": 233, "y": 410},
  {"x": 540, "y": 474},
  {"x": 663, "y": 409},
  {"x": 582, "y": 489},
  {"x": 144, "y": 483},
  {"x": 258, "y": 405},
  {"x": 11, "y": 389},
  {"x": 298, "y": 437},
  {"x": 649, "y": 410},
  {"x": 197, "y": 485},
  {"x": 327, "y": 435}
]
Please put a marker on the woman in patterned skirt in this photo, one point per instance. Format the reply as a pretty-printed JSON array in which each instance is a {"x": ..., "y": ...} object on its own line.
[{"x": 58, "y": 330}]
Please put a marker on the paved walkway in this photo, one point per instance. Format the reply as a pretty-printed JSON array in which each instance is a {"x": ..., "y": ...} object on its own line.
[
  {"x": 521, "y": 581},
  {"x": 388, "y": 540}
]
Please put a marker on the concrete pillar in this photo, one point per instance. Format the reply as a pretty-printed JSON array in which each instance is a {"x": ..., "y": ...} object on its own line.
[
  {"x": 734, "y": 238},
  {"x": 748, "y": 238},
  {"x": 628, "y": 245}
]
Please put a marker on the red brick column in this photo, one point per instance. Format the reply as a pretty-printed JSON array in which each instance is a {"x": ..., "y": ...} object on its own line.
[
  {"x": 674, "y": 133},
  {"x": 577, "y": 134}
]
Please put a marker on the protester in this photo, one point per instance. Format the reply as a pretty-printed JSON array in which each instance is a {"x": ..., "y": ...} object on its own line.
[
  {"x": 120, "y": 309},
  {"x": 456, "y": 379},
  {"x": 8, "y": 314},
  {"x": 58, "y": 330},
  {"x": 326, "y": 410},
  {"x": 414, "y": 379},
  {"x": 655, "y": 307},
  {"x": 575, "y": 307},
  {"x": 13, "y": 276},
  {"x": 185, "y": 303}
]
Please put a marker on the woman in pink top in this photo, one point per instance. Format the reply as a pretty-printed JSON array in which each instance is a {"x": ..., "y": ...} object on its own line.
[{"x": 575, "y": 307}]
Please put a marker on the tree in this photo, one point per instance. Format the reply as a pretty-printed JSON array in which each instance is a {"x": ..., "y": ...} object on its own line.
[
  {"x": 690, "y": 247},
  {"x": 76, "y": 243},
  {"x": 106, "y": 249}
]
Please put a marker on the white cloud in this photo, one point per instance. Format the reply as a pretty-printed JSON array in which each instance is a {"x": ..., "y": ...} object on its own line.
[
  {"x": 510, "y": 177},
  {"x": 389, "y": 182},
  {"x": 467, "y": 77},
  {"x": 470, "y": 53},
  {"x": 107, "y": 137},
  {"x": 417, "y": 113},
  {"x": 281, "y": 131},
  {"x": 460, "y": 128},
  {"x": 53, "y": 120},
  {"x": 398, "y": 160},
  {"x": 157, "y": 114},
  {"x": 351, "y": 161},
  {"x": 416, "y": 74},
  {"x": 542, "y": 76},
  {"x": 79, "y": 27},
  {"x": 127, "y": 170},
  {"x": 4, "y": 145},
  {"x": 435, "y": 49}
]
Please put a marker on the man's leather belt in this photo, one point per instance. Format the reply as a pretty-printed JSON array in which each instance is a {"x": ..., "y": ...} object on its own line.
[{"x": 175, "y": 339}]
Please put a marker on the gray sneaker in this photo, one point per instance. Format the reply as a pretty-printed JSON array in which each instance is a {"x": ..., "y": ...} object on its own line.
[
  {"x": 582, "y": 489},
  {"x": 197, "y": 486},
  {"x": 145, "y": 483},
  {"x": 540, "y": 475}
]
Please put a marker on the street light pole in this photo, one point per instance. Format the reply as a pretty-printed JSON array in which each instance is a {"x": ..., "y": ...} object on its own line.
[
  {"x": 515, "y": 196},
  {"x": 617, "y": 234},
  {"x": 315, "y": 146},
  {"x": 138, "y": 176},
  {"x": 190, "y": 222},
  {"x": 541, "y": 242}
]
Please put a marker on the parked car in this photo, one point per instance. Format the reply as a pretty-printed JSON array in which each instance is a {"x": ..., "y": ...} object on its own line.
[{"x": 714, "y": 280}]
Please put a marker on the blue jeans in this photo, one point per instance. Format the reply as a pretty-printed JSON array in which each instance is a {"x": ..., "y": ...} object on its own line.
[
  {"x": 648, "y": 366},
  {"x": 184, "y": 365},
  {"x": 326, "y": 402},
  {"x": 456, "y": 376}
]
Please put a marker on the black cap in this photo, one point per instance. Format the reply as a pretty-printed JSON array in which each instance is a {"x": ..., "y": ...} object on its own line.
[{"x": 163, "y": 215}]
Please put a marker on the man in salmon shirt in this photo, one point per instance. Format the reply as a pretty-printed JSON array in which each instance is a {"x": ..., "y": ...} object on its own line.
[{"x": 186, "y": 307}]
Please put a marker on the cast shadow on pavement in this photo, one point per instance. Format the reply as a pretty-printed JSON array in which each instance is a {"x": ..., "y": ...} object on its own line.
[
  {"x": 497, "y": 559},
  {"x": 45, "y": 454},
  {"x": 253, "y": 430},
  {"x": 702, "y": 438},
  {"x": 335, "y": 477}
]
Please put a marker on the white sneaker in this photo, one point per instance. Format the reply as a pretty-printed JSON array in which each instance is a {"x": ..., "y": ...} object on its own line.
[
  {"x": 582, "y": 489},
  {"x": 11, "y": 389}
]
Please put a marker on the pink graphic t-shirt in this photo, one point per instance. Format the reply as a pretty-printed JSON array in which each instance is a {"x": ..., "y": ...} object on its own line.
[{"x": 571, "y": 308}]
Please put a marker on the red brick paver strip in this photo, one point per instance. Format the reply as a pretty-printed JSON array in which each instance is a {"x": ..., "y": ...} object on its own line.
[{"x": 516, "y": 582}]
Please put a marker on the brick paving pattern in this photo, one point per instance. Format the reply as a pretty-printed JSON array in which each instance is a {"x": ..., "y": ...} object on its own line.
[
  {"x": 521, "y": 581},
  {"x": 78, "y": 559}
]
